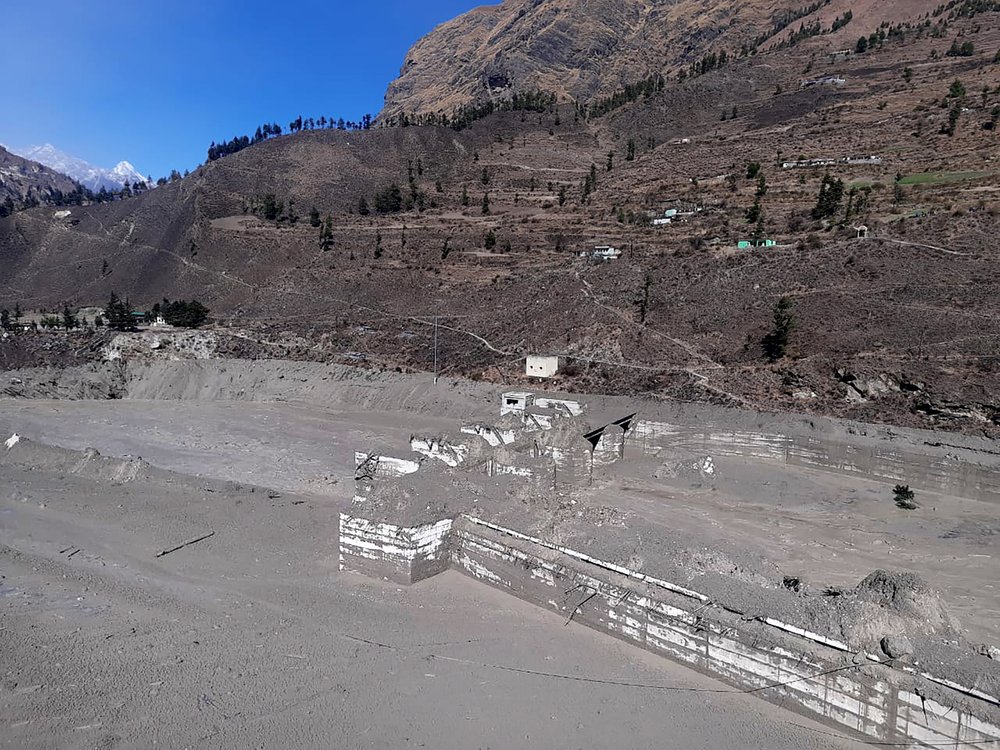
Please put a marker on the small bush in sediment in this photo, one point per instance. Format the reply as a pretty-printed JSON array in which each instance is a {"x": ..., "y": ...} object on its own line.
[{"x": 904, "y": 497}]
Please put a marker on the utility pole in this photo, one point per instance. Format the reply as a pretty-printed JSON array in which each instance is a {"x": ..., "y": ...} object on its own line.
[
  {"x": 435, "y": 349},
  {"x": 436, "y": 325}
]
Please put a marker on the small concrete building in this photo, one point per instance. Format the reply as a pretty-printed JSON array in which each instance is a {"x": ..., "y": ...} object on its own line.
[
  {"x": 745, "y": 244},
  {"x": 542, "y": 366},
  {"x": 601, "y": 253},
  {"x": 515, "y": 401}
]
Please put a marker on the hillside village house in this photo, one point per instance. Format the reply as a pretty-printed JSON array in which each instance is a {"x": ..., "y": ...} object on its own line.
[
  {"x": 665, "y": 218},
  {"x": 601, "y": 253}
]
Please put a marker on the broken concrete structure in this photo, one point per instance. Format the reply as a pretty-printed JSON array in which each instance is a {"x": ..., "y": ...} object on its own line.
[
  {"x": 406, "y": 527},
  {"x": 401, "y": 554},
  {"x": 515, "y": 401},
  {"x": 440, "y": 448},
  {"x": 376, "y": 465}
]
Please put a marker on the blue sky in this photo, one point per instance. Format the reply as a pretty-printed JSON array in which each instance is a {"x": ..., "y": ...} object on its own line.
[{"x": 155, "y": 81}]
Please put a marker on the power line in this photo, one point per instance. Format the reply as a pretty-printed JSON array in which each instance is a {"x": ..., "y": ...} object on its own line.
[{"x": 682, "y": 689}]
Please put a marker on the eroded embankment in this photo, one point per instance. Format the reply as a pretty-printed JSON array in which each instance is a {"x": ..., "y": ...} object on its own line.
[{"x": 958, "y": 465}]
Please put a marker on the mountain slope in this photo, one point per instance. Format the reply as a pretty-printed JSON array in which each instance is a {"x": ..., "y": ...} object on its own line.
[
  {"x": 901, "y": 327},
  {"x": 581, "y": 50},
  {"x": 91, "y": 177},
  {"x": 24, "y": 182}
]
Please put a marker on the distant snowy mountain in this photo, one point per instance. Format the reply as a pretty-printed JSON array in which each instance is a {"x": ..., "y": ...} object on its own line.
[{"x": 83, "y": 172}]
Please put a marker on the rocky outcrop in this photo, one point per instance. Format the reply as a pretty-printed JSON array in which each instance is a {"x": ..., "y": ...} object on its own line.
[{"x": 582, "y": 50}]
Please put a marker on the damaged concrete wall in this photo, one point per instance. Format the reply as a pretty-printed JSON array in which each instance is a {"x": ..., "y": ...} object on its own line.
[
  {"x": 811, "y": 673},
  {"x": 562, "y": 405},
  {"x": 611, "y": 447},
  {"x": 945, "y": 473},
  {"x": 859, "y": 698},
  {"x": 376, "y": 465},
  {"x": 440, "y": 449},
  {"x": 401, "y": 554},
  {"x": 494, "y": 436}
]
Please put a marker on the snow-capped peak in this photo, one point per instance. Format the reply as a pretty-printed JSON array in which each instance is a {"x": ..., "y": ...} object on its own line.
[
  {"x": 83, "y": 172},
  {"x": 126, "y": 171}
]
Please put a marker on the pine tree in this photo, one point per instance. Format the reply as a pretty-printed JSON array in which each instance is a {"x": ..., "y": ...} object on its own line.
[
  {"x": 642, "y": 300},
  {"x": 5, "y": 319},
  {"x": 831, "y": 194},
  {"x": 630, "y": 150},
  {"x": 486, "y": 204},
  {"x": 326, "y": 234},
  {"x": 69, "y": 320},
  {"x": 118, "y": 313},
  {"x": 775, "y": 343}
]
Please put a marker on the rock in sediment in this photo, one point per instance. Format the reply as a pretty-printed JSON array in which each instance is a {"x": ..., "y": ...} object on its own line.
[{"x": 896, "y": 646}]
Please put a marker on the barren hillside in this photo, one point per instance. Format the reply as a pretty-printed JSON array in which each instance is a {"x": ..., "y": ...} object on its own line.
[
  {"x": 583, "y": 50},
  {"x": 902, "y": 326}
]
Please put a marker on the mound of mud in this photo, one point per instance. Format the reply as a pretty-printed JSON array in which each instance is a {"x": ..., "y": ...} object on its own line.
[
  {"x": 888, "y": 604},
  {"x": 433, "y": 493},
  {"x": 714, "y": 562},
  {"x": 89, "y": 463},
  {"x": 697, "y": 469}
]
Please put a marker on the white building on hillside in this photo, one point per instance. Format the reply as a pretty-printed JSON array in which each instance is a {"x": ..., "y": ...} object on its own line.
[
  {"x": 601, "y": 253},
  {"x": 542, "y": 366}
]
